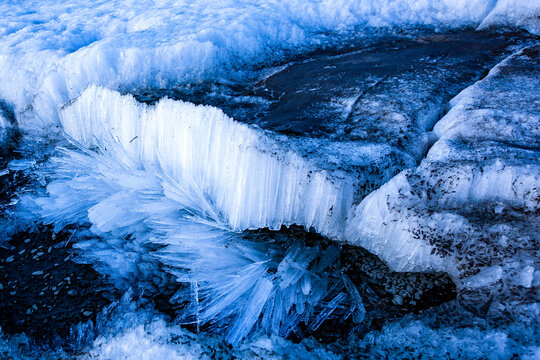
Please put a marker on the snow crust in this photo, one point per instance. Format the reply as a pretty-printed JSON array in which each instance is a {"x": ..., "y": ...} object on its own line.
[
  {"x": 475, "y": 196},
  {"x": 51, "y": 52},
  {"x": 514, "y": 13}
]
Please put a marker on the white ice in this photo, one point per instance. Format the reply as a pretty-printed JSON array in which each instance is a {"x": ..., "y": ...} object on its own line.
[{"x": 250, "y": 180}]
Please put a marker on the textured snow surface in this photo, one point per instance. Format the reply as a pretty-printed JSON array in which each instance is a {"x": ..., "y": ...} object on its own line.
[
  {"x": 471, "y": 207},
  {"x": 518, "y": 13},
  {"x": 453, "y": 332},
  {"x": 51, "y": 52}
]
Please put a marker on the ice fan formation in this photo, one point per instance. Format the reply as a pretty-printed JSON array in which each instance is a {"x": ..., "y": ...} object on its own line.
[
  {"x": 178, "y": 147},
  {"x": 189, "y": 178}
]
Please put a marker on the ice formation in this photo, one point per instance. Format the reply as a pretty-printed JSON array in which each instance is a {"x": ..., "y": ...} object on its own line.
[
  {"x": 475, "y": 196},
  {"x": 469, "y": 209},
  {"x": 5, "y": 124},
  {"x": 189, "y": 178},
  {"x": 169, "y": 189},
  {"x": 250, "y": 181},
  {"x": 125, "y": 329}
]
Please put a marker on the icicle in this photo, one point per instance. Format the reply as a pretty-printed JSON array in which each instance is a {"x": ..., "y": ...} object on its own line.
[
  {"x": 327, "y": 311},
  {"x": 359, "y": 311}
]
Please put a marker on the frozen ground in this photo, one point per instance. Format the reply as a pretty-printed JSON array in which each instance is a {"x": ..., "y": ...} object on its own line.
[{"x": 179, "y": 155}]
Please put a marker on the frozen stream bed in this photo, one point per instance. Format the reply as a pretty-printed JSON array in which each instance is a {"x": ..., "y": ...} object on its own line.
[{"x": 361, "y": 183}]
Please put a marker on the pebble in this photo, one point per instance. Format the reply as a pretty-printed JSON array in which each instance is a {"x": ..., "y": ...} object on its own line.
[
  {"x": 12, "y": 293},
  {"x": 72, "y": 292},
  {"x": 22, "y": 251},
  {"x": 49, "y": 249},
  {"x": 398, "y": 300},
  {"x": 87, "y": 313},
  {"x": 26, "y": 241},
  {"x": 37, "y": 273},
  {"x": 10, "y": 259},
  {"x": 1, "y": 286},
  {"x": 33, "y": 251}
]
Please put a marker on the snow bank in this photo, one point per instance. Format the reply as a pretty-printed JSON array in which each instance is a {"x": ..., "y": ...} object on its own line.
[
  {"x": 514, "y": 13},
  {"x": 471, "y": 204},
  {"x": 52, "y": 52}
]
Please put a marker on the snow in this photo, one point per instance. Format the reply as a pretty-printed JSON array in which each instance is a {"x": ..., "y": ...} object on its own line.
[
  {"x": 51, "y": 52},
  {"x": 5, "y": 125},
  {"x": 433, "y": 336},
  {"x": 514, "y": 13},
  {"x": 126, "y": 330},
  {"x": 470, "y": 206},
  {"x": 190, "y": 181}
]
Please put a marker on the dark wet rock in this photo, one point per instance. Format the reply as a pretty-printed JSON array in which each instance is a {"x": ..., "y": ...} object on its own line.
[{"x": 37, "y": 301}]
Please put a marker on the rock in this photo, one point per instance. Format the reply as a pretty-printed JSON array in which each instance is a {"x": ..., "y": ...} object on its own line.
[
  {"x": 37, "y": 273},
  {"x": 10, "y": 259}
]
